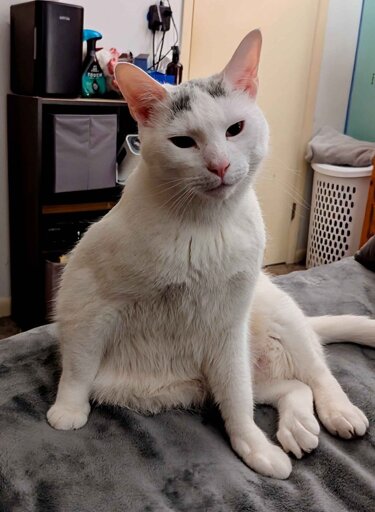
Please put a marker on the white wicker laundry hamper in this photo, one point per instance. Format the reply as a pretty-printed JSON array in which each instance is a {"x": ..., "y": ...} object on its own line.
[{"x": 337, "y": 211}]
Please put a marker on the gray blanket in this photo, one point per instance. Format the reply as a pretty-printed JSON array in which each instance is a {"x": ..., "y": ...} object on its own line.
[
  {"x": 181, "y": 461},
  {"x": 329, "y": 146}
]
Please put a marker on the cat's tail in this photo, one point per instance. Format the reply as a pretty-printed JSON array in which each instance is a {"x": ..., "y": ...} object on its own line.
[{"x": 344, "y": 328}]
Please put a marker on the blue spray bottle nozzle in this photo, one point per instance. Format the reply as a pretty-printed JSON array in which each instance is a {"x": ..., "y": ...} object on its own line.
[{"x": 91, "y": 34}]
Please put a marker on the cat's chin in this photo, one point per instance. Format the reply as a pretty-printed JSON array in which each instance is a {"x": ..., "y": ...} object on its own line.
[{"x": 222, "y": 191}]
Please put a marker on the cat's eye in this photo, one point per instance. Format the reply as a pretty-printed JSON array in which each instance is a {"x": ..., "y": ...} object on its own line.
[
  {"x": 183, "y": 142},
  {"x": 235, "y": 129}
]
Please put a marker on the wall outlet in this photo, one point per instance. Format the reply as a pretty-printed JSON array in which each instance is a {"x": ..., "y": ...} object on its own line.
[{"x": 159, "y": 18}]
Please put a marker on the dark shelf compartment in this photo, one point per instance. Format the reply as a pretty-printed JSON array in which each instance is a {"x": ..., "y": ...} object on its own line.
[{"x": 34, "y": 207}]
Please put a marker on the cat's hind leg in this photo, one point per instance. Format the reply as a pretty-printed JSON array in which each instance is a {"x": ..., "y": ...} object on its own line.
[
  {"x": 335, "y": 410},
  {"x": 298, "y": 429},
  {"x": 307, "y": 363}
]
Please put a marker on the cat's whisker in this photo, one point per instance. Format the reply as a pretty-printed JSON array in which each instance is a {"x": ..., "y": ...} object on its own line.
[
  {"x": 274, "y": 176},
  {"x": 169, "y": 203},
  {"x": 296, "y": 196},
  {"x": 180, "y": 180},
  {"x": 185, "y": 198},
  {"x": 186, "y": 203},
  {"x": 175, "y": 196},
  {"x": 161, "y": 189},
  {"x": 281, "y": 163},
  {"x": 176, "y": 182},
  {"x": 179, "y": 201},
  {"x": 165, "y": 189},
  {"x": 293, "y": 189}
]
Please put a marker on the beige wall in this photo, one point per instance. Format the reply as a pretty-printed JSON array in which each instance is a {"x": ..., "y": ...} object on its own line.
[{"x": 293, "y": 33}]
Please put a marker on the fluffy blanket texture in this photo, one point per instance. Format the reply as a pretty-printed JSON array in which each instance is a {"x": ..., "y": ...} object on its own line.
[{"x": 180, "y": 461}]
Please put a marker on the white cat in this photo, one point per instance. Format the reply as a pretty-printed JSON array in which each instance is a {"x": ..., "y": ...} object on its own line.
[{"x": 154, "y": 306}]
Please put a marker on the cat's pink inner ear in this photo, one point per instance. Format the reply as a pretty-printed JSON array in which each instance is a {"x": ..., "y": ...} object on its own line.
[
  {"x": 140, "y": 91},
  {"x": 242, "y": 70}
]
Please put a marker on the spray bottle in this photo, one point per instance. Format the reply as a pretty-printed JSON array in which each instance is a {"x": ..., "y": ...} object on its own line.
[{"x": 93, "y": 79}]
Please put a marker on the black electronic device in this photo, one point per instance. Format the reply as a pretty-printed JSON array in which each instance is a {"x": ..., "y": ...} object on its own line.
[
  {"x": 46, "y": 48},
  {"x": 159, "y": 17}
]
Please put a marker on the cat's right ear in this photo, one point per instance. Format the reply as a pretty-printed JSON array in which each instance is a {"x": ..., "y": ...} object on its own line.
[
  {"x": 241, "y": 72},
  {"x": 140, "y": 91}
]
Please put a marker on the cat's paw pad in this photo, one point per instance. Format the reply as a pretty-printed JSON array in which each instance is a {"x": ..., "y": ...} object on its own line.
[
  {"x": 63, "y": 417},
  {"x": 263, "y": 457},
  {"x": 298, "y": 433},
  {"x": 344, "y": 420}
]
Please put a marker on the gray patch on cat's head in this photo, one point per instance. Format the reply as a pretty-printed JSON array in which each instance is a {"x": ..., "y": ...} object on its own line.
[
  {"x": 214, "y": 86},
  {"x": 182, "y": 97},
  {"x": 180, "y": 101}
]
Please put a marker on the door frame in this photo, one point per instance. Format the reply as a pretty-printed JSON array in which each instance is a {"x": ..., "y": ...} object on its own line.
[
  {"x": 294, "y": 254},
  {"x": 186, "y": 36}
]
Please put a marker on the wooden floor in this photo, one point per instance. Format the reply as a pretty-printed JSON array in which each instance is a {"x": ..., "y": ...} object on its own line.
[
  {"x": 9, "y": 328},
  {"x": 283, "y": 268}
]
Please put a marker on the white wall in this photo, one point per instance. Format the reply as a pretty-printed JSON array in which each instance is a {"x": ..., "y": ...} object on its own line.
[
  {"x": 124, "y": 26},
  {"x": 4, "y": 237},
  {"x": 337, "y": 64},
  {"x": 123, "y": 23}
]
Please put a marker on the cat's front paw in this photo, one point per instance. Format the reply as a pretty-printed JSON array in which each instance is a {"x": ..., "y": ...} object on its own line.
[
  {"x": 262, "y": 456},
  {"x": 344, "y": 420},
  {"x": 298, "y": 432},
  {"x": 63, "y": 417}
]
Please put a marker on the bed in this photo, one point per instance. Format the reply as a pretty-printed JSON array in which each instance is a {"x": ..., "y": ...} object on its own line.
[{"x": 179, "y": 460}]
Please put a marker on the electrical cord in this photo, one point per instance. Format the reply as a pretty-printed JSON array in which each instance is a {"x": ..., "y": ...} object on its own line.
[
  {"x": 155, "y": 65},
  {"x": 153, "y": 48},
  {"x": 155, "y": 52},
  {"x": 158, "y": 62},
  {"x": 174, "y": 24},
  {"x": 161, "y": 49}
]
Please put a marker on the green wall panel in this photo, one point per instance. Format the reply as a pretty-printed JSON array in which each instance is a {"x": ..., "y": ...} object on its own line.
[{"x": 360, "y": 121}]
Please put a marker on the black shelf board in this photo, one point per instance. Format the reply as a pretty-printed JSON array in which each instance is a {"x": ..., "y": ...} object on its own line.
[{"x": 51, "y": 100}]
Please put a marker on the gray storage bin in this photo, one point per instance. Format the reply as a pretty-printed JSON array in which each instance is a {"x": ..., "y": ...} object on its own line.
[{"x": 85, "y": 152}]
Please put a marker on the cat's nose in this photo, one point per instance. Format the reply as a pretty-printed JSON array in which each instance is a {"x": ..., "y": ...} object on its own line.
[{"x": 219, "y": 168}]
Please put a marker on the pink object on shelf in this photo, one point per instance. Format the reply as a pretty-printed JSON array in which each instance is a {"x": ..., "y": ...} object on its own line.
[{"x": 108, "y": 60}]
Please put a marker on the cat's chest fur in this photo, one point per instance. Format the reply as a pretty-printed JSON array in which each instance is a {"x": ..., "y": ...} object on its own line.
[
  {"x": 210, "y": 255},
  {"x": 168, "y": 276},
  {"x": 184, "y": 294},
  {"x": 170, "y": 259}
]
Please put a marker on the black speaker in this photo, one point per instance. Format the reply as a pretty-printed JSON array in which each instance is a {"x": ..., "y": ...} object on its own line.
[{"x": 46, "y": 48}]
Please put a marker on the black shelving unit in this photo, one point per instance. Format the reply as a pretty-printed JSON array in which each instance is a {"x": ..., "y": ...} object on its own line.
[{"x": 36, "y": 213}]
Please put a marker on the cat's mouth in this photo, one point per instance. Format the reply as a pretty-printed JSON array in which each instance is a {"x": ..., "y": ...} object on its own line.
[{"x": 218, "y": 189}]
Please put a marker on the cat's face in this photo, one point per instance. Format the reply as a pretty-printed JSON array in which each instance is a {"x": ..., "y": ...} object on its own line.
[
  {"x": 208, "y": 135},
  {"x": 204, "y": 137}
]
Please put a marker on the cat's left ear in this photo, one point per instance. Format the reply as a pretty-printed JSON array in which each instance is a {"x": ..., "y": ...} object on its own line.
[
  {"x": 141, "y": 92},
  {"x": 242, "y": 70}
]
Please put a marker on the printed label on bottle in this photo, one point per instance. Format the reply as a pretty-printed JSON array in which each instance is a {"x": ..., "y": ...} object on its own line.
[{"x": 93, "y": 81}]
